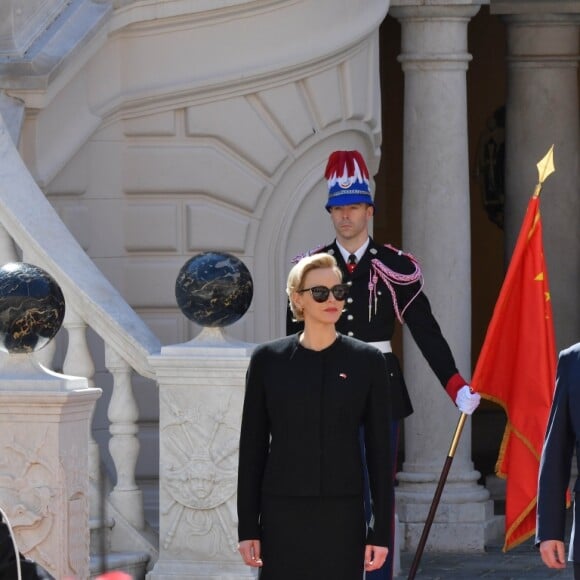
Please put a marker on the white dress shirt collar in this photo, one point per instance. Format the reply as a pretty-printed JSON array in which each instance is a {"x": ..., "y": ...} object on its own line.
[{"x": 359, "y": 253}]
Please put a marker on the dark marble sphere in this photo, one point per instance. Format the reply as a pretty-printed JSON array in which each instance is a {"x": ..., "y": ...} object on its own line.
[
  {"x": 214, "y": 289},
  {"x": 31, "y": 308}
]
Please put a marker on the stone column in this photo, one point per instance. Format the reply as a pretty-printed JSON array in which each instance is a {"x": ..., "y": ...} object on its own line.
[
  {"x": 44, "y": 480},
  {"x": 543, "y": 109},
  {"x": 201, "y": 391},
  {"x": 436, "y": 229}
]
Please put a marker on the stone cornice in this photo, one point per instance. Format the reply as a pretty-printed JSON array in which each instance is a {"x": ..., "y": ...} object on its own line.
[
  {"x": 149, "y": 102},
  {"x": 140, "y": 14},
  {"x": 441, "y": 10},
  {"x": 203, "y": 35},
  {"x": 72, "y": 29},
  {"x": 435, "y": 4}
]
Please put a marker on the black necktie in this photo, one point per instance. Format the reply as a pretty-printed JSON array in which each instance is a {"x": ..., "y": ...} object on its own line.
[{"x": 351, "y": 265}]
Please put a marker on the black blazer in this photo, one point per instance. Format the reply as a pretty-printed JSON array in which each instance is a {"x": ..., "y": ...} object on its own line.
[
  {"x": 561, "y": 442},
  {"x": 300, "y": 428}
]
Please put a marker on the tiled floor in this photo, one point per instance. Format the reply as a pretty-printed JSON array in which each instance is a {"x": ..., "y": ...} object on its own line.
[{"x": 521, "y": 563}]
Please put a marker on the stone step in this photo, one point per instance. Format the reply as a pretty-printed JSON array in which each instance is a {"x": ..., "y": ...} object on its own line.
[
  {"x": 100, "y": 535},
  {"x": 104, "y": 558},
  {"x": 133, "y": 563}
]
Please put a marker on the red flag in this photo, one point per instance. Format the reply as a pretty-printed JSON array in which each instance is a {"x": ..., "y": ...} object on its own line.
[{"x": 517, "y": 369}]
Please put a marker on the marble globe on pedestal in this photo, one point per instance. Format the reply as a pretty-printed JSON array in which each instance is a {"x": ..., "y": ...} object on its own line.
[
  {"x": 31, "y": 308},
  {"x": 214, "y": 289}
]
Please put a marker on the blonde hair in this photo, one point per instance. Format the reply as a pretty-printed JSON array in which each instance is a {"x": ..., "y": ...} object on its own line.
[{"x": 297, "y": 274}]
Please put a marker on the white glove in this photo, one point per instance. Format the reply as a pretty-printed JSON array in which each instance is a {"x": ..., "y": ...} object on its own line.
[{"x": 467, "y": 401}]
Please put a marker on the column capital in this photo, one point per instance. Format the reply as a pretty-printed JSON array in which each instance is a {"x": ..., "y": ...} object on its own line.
[
  {"x": 540, "y": 7},
  {"x": 542, "y": 40},
  {"x": 446, "y": 9},
  {"x": 434, "y": 36},
  {"x": 541, "y": 20}
]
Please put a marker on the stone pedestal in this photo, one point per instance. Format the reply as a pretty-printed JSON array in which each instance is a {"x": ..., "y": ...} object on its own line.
[
  {"x": 201, "y": 391},
  {"x": 436, "y": 229},
  {"x": 44, "y": 482},
  {"x": 464, "y": 520}
]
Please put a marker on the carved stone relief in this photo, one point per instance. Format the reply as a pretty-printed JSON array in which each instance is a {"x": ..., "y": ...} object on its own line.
[
  {"x": 44, "y": 494},
  {"x": 28, "y": 486},
  {"x": 199, "y": 462}
]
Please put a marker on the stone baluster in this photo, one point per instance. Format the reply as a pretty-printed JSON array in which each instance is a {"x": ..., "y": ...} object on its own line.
[
  {"x": 124, "y": 445},
  {"x": 79, "y": 362}
]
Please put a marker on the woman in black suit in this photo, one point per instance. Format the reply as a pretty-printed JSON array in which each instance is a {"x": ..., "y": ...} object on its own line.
[
  {"x": 300, "y": 478},
  {"x": 562, "y": 442}
]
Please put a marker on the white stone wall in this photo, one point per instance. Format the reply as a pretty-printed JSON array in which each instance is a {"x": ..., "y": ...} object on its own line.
[{"x": 183, "y": 134}]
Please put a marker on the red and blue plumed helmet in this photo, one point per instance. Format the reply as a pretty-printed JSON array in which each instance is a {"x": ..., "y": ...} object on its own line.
[{"x": 348, "y": 179}]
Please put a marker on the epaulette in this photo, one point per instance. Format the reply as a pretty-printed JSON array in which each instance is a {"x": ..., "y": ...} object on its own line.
[
  {"x": 299, "y": 257},
  {"x": 401, "y": 253}
]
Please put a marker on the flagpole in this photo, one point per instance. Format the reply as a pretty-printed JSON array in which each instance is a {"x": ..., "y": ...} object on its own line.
[{"x": 437, "y": 496}]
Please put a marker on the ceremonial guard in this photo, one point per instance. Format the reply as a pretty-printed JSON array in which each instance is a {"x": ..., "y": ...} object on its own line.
[{"x": 386, "y": 288}]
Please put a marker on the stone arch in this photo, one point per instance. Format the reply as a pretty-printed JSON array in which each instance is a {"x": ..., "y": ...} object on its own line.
[{"x": 295, "y": 221}]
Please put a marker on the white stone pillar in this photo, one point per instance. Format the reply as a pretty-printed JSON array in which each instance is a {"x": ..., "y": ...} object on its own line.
[
  {"x": 543, "y": 109},
  {"x": 44, "y": 479},
  {"x": 201, "y": 392},
  {"x": 436, "y": 229}
]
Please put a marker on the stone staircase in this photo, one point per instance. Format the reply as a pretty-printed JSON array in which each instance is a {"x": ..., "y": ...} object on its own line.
[{"x": 116, "y": 545}]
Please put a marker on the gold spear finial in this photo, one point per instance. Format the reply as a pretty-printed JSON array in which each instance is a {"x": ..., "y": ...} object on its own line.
[{"x": 545, "y": 169}]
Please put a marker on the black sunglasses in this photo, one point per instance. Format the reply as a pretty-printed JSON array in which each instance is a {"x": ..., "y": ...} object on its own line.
[{"x": 321, "y": 293}]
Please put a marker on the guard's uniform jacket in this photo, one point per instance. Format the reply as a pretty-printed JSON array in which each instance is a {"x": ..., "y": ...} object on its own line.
[{"x": 382, "y": 291}]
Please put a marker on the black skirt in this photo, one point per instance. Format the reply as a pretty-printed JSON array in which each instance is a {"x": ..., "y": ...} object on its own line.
[{"x": 312, "y": 538}]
